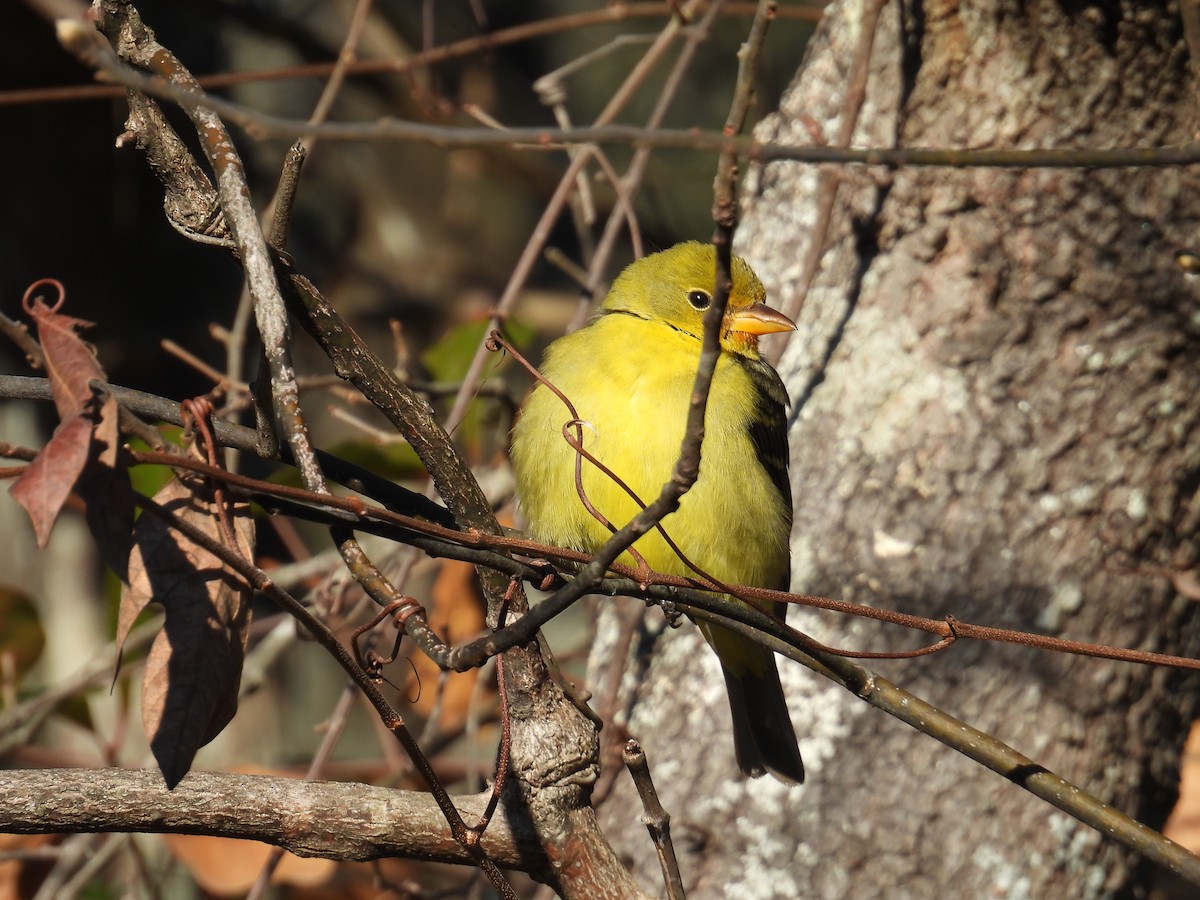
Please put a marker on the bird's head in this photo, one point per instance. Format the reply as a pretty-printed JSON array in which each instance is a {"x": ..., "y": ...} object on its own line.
[{"x": 675, "y": 286}]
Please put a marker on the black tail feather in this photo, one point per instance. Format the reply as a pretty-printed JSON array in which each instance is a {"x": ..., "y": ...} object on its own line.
[{"x": 763, "y": 737}]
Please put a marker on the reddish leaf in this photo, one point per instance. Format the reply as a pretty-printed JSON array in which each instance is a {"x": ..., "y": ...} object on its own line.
[
  {"x": 107, "y": 433},
  {"x": 70, "y": 361},
  {"x": 43, "y": 488},
  {"x": 84, "y": 452},
  {"x": 189, "y": 690}
]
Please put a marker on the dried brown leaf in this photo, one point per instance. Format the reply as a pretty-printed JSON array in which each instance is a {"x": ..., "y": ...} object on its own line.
[
  {"x": 105, "y": 489},
  {"x": 1186, "y": 582},
  {"x": 83, "y": 454},
  {"x": 70, "y": 361},
  {"x": 107, "y": 433},
  {"x": 46, "y": 484},
  {"x": 110, "y": 509},
  {"x": 22, "y": 877},
  {"x": 189, "y": 689},
  {"x": 1183, "y": 826}
]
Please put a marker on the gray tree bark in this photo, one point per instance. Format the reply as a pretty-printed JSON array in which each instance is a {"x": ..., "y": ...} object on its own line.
[{"x": 995, "y": 417}]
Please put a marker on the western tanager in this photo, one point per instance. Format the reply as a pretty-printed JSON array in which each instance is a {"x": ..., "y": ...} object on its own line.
[{"x": 629, "y": 373}]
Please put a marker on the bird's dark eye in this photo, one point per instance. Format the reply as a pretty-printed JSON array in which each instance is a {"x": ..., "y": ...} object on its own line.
[{"x": 699, "y": 299}]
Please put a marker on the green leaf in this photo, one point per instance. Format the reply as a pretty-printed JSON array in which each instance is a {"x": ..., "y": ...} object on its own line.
[{"x": 21, "y": 634}]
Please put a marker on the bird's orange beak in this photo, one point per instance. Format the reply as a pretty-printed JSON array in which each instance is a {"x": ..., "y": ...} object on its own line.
[{"x": 756, "y": 319}]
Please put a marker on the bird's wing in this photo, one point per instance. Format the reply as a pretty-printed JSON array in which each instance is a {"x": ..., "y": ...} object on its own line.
[{"x": 768, "y": 429}]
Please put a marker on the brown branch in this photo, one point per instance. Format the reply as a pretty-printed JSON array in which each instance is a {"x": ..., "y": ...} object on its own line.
[
  {"x": 748, "y": 148},
  {"x": 495, "y": 550},
  {"x": 307, "y": 818},
  {"x": 395, "y": 497},
  {"x": 654, "y": 817},
  {"x": 606, "y": 15},
  {"x": 355, "y": 362},
  {"x": 409, "y": 616},
  {"x": 1004, "y": 760},
  {"x": 136, "y": 43},
  {"x": 426, "y": 526},
  {"x": 771, "y": 633}
]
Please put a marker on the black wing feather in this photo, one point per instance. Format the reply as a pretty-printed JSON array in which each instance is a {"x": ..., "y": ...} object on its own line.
[{"x": 768, "y": 428}]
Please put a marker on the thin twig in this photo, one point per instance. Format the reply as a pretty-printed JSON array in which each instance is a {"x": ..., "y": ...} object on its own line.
[
  {"x": 224, "y": 383},
  {"x": 654, "y": 817},
  {"x": 99, "y": 853},
  {"x": 279, "y": 210},
  {"x": 495, "y": 551},
  {"x": 1004, "y": 760},
  {"x": 747, "y": 148},
  {"x": 724, "y": 193},
  {"x": 413, "y": 418},
  {"x": 629, "y": 617},
  {"x": 608, "y": 14},
  {"x": 395, "y": 497}
]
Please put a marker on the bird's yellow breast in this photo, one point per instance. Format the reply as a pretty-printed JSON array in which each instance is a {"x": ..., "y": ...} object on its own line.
[{"x": 630, "y": 380}]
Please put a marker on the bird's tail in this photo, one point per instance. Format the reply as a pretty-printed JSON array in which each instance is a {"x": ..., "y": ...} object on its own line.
[{"x": 763, "y": 737}]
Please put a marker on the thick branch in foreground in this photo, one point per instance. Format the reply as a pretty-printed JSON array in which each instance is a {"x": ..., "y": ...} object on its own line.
[{"x": 315, "y": 818}]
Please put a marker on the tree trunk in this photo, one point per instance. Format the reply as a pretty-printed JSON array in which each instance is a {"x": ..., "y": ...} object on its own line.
[{"x": 994, "y": 388}]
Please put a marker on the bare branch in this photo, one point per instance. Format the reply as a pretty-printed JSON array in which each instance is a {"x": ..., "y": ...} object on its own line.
[
  {"x": 137, "y": 44},
  {"x": 307, "y": 818},
  {"x": 746, "y": 148},
  {"x": 588, "y": 18},
  {"x": 655, "y": 818}
]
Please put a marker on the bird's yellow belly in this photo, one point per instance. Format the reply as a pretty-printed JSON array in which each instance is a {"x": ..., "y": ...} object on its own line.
[{"x": 635, "y": 419}]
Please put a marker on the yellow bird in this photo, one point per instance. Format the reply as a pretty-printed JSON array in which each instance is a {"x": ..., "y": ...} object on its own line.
[{"x": 629, "y": 373}]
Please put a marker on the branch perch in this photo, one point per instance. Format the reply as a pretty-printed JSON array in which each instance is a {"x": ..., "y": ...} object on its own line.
[{"x": 317, "y": 818}]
